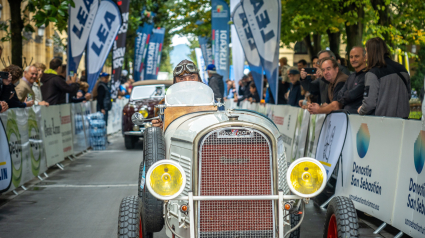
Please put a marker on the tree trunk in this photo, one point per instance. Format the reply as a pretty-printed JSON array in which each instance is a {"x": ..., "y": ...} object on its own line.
[
  {"x": 384, "y": 18},
  {"x": 355, "y": 31},
  {"x": 16, "y": 27},
  {"x": 313, "y": 47},
  {"x": 334, "y": 41}
]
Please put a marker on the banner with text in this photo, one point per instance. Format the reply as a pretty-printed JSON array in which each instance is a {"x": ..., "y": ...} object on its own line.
[
  {"x": 66, "y": 130},
  {"x": 285, "y": 118},
  {"x": 201, "y": 65},
  {"x": 220, "y": 17},
  {"x": 205, "y": 44},
  {"x": 118, "y": 50},
  {"x": 5, "y": 160},
  {"x": 300, "y": 135},
  {"x": 143, "y": 35},
  {"x": 35, "y": 131},
  {"x": 52, "y": 137},
  {"x": 106, "y": 25},
  {"x": 153, "y": 55},
  {"x": 264, "y": 20},
  {"x": 249, "y": 48},
  {"x": 81, "y": 18}
]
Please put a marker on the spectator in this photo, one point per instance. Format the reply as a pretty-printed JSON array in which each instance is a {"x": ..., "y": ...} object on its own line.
[
  {"x": 351, "y": 95},
  {"x": 124, "y": 74},
  {"x": 301, "y": 65},
  {"x": 84, "y": 89},
  {"x": 243, "y": 86},
  {"x": 314, "y": 60},
  {"x": 8, "y": 92},
  {"x": 328, "y": 53},
  {"x": 387, "y": 83},
  {"x": 36, "y": 86},
  {"x": 215, "y": 81},
  {"x": 104, "y": 103},
  {"x": 3, "y": 104},
  {"x": 253, "y": 95},
  {"x": 24, "y": 88},
  {"x": 342, "y": 65},
  {"x": 53, "y": 87},
  {"x": 83, "y": 76},
  {"x": 283, "y": 70},
  {"x": 231, "y": 91},
  {"x": 336, "y": 81},
  {"x": 294, "y": 94},
  {"x": 283, "y": 89}
]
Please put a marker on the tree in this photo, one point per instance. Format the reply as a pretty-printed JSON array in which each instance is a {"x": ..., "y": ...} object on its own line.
[{"x": 44, "y": 12}]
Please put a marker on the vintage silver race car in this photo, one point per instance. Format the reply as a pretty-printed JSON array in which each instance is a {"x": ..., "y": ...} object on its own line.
[{"x": 213, "y": 173}]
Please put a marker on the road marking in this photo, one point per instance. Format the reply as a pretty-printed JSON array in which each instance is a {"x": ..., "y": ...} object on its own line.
[
  {"x": 86, "y": 185},
  {"x": 2, "y": 163}
]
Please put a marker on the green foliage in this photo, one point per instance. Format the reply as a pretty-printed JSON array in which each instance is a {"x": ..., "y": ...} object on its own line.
[
  {"x": 417, "y": 80},
  {"x": 47, "y": 11}
]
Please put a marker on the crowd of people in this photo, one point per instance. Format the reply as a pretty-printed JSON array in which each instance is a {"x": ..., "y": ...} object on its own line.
[{"x": 378, "y": 86}]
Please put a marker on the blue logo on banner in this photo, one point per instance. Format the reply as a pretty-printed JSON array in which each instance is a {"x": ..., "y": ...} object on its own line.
[
  {"x": 363, "y": 140},
  {"x": 419, "y": 152}
]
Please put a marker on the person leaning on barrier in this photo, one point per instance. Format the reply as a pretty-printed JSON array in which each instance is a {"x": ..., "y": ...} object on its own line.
[
  {"x": 186, "y": 70},
  {"x": 294, "y": 94},
  {"x": 104, "y": 103},
  {"x": 36, "y": 87},
  {"x": 387, "y": 83},
  {"x": 8, "y": 92},
  {"x": 24, "y": 88},
  {"x": 336, "y": 81},
  {"x": 53, "y": 87},
  {"x": 215, "y": 81}
]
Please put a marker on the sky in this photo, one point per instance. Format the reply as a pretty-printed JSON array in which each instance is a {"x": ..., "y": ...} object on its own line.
[{"x": 180, "y": 51}]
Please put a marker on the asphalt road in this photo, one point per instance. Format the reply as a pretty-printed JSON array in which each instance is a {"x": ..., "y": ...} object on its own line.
[{"x": 83, "y": 200}]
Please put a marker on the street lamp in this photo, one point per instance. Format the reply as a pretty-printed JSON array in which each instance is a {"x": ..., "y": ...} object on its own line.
[{"x": 41, "y": 30}]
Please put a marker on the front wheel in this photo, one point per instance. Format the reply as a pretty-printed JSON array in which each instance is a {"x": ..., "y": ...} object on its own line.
[
  {"x": 130, "y": 224},
  {"x": 341, "y": 219}
]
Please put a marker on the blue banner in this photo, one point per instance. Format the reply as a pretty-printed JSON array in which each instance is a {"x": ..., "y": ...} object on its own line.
[
  {"x": 140, "y": 49},
  {"x": 153, "y": 55},
  {"x": 79, "y": 25},
  {"x": 205, "y": 45},
  {"x": 105, "y": 28},
  {"x": 264, "y": 20},
  {"x": 220, "y": 15},
  {"x": 250, "y": 49}
]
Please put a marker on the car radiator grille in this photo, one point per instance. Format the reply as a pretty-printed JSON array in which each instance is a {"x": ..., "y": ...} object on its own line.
[{"x": 235, "y": 167}]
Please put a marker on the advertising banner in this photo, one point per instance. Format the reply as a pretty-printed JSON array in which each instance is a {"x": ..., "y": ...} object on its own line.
[
  {"x": 285, "y": 118},
  {"x": 331, "y": 140},
  {"x": 300, "y": 137},
  {"x": 105, "y": 28},
  {"x": 201, "y": 65},
  {"x": 249, "y": 48},
  {"x": 5, "y": 160},
  {"x": 36, "y": 149},
  {"x": 118, "y": 49},
  {"x": 316, "y": 122},
  {"x": 16, "y": 126},
  {"x": 370, "y": 161},
  {"x": 79, "y": 25},
  {"x": 264, "y": 21},
  {"x": 140, "y": 49},
  {"x": 205, "y": 44},
  {"x": 52, "y": 136},
  {"x": 409, "y": 206},
  {"x": 66, "y": 129},
  {"x": 238, "y": 56},
  {"x": 220, "y": 17},
  {"x": 153, "y": 55}
]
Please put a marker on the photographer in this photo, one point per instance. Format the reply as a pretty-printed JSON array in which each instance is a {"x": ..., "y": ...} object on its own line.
[{"x": 8, "y": 93}]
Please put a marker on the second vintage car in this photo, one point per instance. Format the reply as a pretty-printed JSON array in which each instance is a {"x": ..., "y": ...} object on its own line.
[{"x": 144, "y": 97}]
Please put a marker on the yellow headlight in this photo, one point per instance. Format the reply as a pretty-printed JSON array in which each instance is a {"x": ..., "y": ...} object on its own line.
[
  {"x": 306, "y": 177},
  {"x": 166, "y": 179},
  {"x": 144, "y": 113}
]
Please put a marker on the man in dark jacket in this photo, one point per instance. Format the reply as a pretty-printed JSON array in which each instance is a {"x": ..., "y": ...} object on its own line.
[
  {"x": 215, "y": 81},
  {"x": 294, "y": 95},
  {"x": 103, "y": 95},
  {"x": 8, "y": 93},
  {"x": 53, "y": 87}
]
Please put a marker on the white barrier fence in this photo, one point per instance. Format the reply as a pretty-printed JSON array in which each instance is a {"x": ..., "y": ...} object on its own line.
[
  {"x": 39, "y": 137},
  {"x": 382, "y": 167}
]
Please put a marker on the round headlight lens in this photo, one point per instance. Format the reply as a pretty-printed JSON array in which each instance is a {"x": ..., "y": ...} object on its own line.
[
  {"x": 166, "y": 179},
  {"x": 306, "y": 177},
  {"x": 144, "y": 113}
]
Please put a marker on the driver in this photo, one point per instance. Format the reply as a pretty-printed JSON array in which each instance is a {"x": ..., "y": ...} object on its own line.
[{"x": 184, "y": 71}]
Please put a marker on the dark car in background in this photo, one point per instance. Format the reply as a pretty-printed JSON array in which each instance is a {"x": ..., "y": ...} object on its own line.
[{"x": 144, "y": 97}]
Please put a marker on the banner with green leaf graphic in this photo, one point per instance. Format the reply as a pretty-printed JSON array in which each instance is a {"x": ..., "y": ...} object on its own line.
[
  {"x": 36, "y": 148},
  {"x": 5, "y": 161}
]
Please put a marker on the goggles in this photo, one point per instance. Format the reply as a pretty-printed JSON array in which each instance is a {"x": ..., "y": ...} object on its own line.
[{"x": 188, "y": 68}]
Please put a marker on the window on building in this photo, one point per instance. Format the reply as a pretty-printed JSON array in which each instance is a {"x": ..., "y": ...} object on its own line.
[{"x": 300, "y": 48}]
